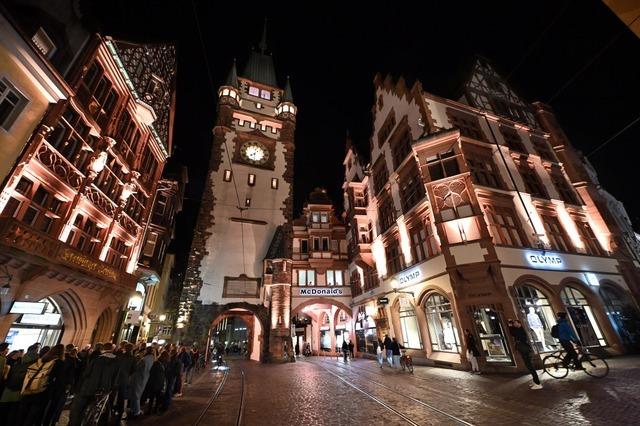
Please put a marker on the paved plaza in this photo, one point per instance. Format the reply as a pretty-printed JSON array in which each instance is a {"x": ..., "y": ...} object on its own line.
[{"x": 324, "y": 391}]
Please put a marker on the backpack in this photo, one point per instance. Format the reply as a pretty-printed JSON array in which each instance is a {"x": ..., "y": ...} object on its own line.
[
  {"x": 555, "y": 333},
  {"x": 37, "y": 377}
]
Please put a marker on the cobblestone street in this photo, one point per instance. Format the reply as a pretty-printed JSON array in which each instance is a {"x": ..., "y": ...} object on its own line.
[{"x": 323, "y": 391}]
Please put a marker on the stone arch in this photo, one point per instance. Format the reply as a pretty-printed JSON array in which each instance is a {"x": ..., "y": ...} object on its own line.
[
  {"x": 321, "y": 300},
  {"x": 246, "y": 312},
  {"x": 103, "y": 330},
  {"x": 74, "y": 316},
  {"x": 397, "y": 326},
  {"x": 553, "y": 293}
]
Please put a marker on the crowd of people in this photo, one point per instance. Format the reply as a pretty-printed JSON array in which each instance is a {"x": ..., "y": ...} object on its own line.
[
  {"x": 389, "y": 347},
  {"x": 104, "y": 382}
]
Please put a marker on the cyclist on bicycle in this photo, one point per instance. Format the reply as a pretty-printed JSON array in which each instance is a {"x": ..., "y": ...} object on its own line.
[{"x": 567, "y": 338}]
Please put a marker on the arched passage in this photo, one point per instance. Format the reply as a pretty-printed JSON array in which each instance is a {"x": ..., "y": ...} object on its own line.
[
  {"x": 321, "y": 324},
  {"x": 240, "y": 328},
  {"x": 103, "y": 331}
]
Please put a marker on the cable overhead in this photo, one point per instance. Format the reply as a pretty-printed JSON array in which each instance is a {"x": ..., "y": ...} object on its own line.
[
  {"x": 224, "y": 141},
  {"x": 602, "y": 145}
]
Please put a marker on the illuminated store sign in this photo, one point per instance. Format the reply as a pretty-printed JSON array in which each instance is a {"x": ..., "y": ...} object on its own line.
[
  {"x": 327, "y": 291},
  {"x": 548, "y": 260},
  {"x": 410, "y": 277}
]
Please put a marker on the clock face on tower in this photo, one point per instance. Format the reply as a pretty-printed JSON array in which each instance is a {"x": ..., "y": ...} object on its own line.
[{"x": 254, "y": 153}]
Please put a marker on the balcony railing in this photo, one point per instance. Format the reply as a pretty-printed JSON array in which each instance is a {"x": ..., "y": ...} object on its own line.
[{"x": 16, "y": 235}]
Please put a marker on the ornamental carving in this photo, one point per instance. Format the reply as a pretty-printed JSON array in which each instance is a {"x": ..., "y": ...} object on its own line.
[
  {"x": 29, "y": 240},
  {"x": 129, "y": 224},
  {"x": 451, "y": 194},
  {"x": 59, "y": 165},
  {"x": 100, "y": 200}
]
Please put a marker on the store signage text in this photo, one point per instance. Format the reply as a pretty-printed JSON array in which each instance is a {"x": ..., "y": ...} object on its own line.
[
  {"x": 544, "y": 260},
  {"x": 330, "y": 291},
  {"x": 89, "y": 265},
  {"x": 410, "y": 277},
  {"x": 383, "y": 300}
]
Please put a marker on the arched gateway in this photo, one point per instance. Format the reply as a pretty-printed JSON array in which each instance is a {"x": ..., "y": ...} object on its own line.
[{"x": 240, "y": 327}]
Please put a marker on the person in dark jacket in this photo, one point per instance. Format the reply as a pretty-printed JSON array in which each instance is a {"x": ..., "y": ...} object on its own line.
[
  {"x": 388, "y": 347},
  {"x": 56, "y": 388},
  {"x": 567, "y": 338},
  {"x": 521, "y": 339},
  {"x": 100, "y": 376},
  {"x": 32, "y": 406},
  {"x": 156, "y": 385},
  {"x": 185, "y": 359},
  {"x": 472, "y": 351},
  {"x": 351, "y": 349},
  {"x": 345, "y": 350},
  {"x": 395, "y": 351},
  {"x": 172, "y": 371},
  {"x": 126, "y": 367}
]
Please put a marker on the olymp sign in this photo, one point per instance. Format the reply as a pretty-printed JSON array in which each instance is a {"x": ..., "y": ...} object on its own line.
[{"x": 538, "y": 260}]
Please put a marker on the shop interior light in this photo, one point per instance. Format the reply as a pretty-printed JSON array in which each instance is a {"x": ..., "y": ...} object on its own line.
[{"x": 162, "y": 317}]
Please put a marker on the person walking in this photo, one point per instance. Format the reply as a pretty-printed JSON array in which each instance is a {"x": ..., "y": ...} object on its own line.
[
  {"x": 472, "y": 351},
  {"x": 185, "y": 359},
  {"x": 351, "y": 349},
  {"x": 521, "y": 339},
  {"x": 388, "y": 346},
  {"x": 380, "y": 352},
  {"x": 395, "y": 351},
  {"x": 99, "y": 379},
  {"x": 139, "y": 380},
  {"x": 345, "y": 350},
  {"x": 567, "y": 338}
]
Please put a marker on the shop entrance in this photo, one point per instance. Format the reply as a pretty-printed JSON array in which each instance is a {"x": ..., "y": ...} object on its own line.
[
  {"x": 582, "y": 317},
  {"x": 44, "y": 325},
  {"x": 321, "y": 326},
  {"x": 492, "y": 337}
]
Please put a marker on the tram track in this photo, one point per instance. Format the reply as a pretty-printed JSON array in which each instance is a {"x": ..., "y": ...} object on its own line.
[
  {"x": 216, "y": 394},
  {"x": 387, "y": 404}
]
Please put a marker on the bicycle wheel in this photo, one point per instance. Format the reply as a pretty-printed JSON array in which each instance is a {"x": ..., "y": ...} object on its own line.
[
  {"x": 554, "y": 367},
  {"x": 410, "y": 366},
  {"x": 403, "y": 364},
  {"x": 595, "y": 366}
]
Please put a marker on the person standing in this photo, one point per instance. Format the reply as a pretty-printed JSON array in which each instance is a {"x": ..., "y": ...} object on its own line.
[
  {"x": 472, "y": 351},
  {"x": 139, "y": 380},
  {"x": 171, "y": 371},
  {"x": 395, "y": 351},
  {"x": 185, "y": 360},
  {"x": 522, "y": 345},
  {"x": 388, "y": 346},
  {"x": 37, "y": 382},
  {"x": 345, "y": 350},
  {"x": 351, "y": 349},
  {"x": 157, "y": 383},
  {"x": 380, "y": 352},
  {"x": 126, "y": 368},
  {"x": 4, "y": 367},
  {"x": 567, "y": 338},
  {"x": 56, "y": 388},
  {"x": 98, "y": 379}
]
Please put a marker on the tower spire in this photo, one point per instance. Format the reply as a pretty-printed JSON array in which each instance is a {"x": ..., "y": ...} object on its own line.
[
  {"x": 263, "y": 42},
  {"x": 232, "y": 78}
]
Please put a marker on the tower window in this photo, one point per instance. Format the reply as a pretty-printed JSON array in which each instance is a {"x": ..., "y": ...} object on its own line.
[
  {"x": 247, "y": 202},
  {"x": 265, "y": 94},
  {"x": 274, "y": 183},
  {"x": 254, "y": 91},
  {"x": 43, "y": 43},
  {"x": 251, "y": 179},
  {"x": 227, "y": 175}
]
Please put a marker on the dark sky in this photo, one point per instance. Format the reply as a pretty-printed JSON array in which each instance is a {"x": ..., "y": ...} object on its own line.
[{"x": 332, "y": 55}]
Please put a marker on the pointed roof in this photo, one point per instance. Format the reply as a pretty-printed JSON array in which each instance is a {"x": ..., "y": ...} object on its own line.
[
  {"x": 232, "y": 78},
  {"x": 288, "y": 94},
  {"x": 277, "y": 248},
  {"x": 260, "y": 66}
]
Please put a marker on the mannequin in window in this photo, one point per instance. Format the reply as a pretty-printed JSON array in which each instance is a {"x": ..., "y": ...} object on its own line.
[
  {"x": 535, "y": 323},
  {"x": 448, "y": 337}
]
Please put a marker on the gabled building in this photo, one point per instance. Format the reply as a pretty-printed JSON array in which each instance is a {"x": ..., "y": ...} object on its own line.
[{"x": 477, "y": 211}]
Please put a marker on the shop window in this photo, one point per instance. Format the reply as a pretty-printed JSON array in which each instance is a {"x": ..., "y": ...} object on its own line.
[
  {"x": 532, "y": 183},
  {"x": 411, "y": 186},
  {"x": 536, "y": 310},
  {"x": 409, "y": 325},
  {"x": 423, "y": 242},
  {"x": 491, "y": 333},
  {"x": 11, "y": 103},
  {"x": 504, "y": 226},
  {"x": 442, "y": 325},
  {"x": 306, "y": 277},
  {"x": 484, "y": 171},
  {"x": 558, "y": 239},
  {"x": 581, "y": 315},
  {"x": 395, "y": 259},
  {"x": 512, "y": 139},
  {"x": 443, "y": 164},
  {"x": 335, "y": 277},
  {"x": 468, "y": 124},
  {"x": 591, "y": 243},
  {"x": 45, "y": 328},
  {"x": 623, "y": 316}
]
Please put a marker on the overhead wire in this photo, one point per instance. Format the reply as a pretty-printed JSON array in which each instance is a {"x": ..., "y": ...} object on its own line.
[{"x": 224, "y": 141}]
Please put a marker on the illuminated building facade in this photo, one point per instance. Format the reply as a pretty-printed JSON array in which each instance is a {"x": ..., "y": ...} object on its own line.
[
  {"x": 474, "y": 211},
  {"x": 75, "y": 205}
]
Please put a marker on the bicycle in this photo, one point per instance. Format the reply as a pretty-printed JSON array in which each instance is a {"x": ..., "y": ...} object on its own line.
[
  {"x": 406, "y": 362},
  {"x": 592, "y": 365}
]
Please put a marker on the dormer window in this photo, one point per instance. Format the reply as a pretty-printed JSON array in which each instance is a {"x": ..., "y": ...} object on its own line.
[
  {"x": 43, "y": 43},
  {"x": 265, "y": 94},
  {"x": 254, "y": 91}
]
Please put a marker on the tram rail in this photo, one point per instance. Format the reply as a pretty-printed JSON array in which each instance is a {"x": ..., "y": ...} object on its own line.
[{"x": 218, "y": 391}]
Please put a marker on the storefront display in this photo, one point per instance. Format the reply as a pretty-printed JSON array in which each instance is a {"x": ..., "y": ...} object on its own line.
[
  {"x": 536, "y": 310},
  {"x": 491, "y": 335},
  {"x": 409, "y": 325},
  {"x": 441, "y": 323},
  {"x": 582, "y": 317},
  {"x": 623, "y": 316},
  {"x": 45, "y": 329}
]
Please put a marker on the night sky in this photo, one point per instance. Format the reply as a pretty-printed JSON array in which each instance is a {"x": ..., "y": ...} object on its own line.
[{"x": 576, "y": 55}]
